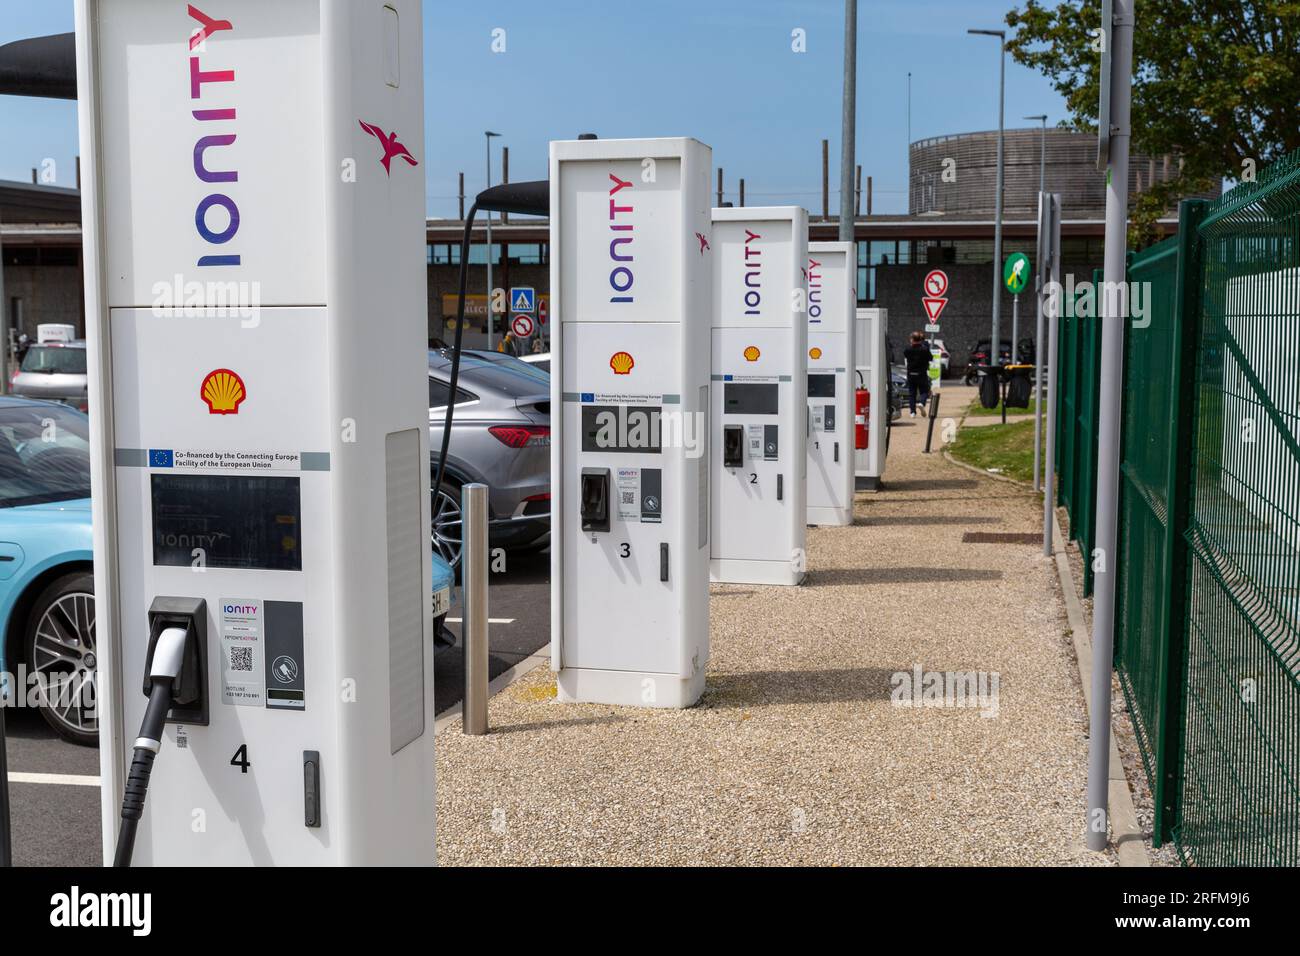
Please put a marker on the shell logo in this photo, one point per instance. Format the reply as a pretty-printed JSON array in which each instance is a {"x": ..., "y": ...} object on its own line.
[
  {"x": 752, "y": 353},
  {"x": 223, "y": 391},
  {"x": 621, "y": 362},
  {"x": 814, "y": 354}
]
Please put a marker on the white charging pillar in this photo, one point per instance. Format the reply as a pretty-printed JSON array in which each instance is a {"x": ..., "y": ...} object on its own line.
[
  {"x": 760, "y": 333},
  {"x": 832, "y": 300},
  {"x": 872, "y": 362},
  {"x": 631, "y": 280},
  {"x": 253, "y": 219}
]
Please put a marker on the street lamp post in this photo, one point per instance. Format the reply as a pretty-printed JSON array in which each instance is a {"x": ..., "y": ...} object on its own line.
[
  {"x": 995, "y": 347},
  {"x": 1038, "y": 328},
  {"x": 487, "y": 137}
]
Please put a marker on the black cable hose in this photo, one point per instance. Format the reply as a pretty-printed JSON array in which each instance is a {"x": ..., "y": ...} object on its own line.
[
  {"x": 137, "y": 779},
  {"x": 455, "y": 352},
  {"x": 6, "y": 846}
]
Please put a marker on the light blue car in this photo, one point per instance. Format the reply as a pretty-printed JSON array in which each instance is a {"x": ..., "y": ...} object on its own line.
[{"x": 47, "y": 593}]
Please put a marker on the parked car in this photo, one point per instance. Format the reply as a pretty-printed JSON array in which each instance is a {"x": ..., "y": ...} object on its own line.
[
  {"x": 943, "y": 353},
  {"x": 540, "y": 360},
  {"x": 501, "y": 436},
  {"x": 519, "y": 364},
  {"x": 47, "y": 592},
  {"x": 53, "y": 371}
]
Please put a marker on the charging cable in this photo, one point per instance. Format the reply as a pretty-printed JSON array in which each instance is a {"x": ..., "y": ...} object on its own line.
[{"x": 168, "y": 656}]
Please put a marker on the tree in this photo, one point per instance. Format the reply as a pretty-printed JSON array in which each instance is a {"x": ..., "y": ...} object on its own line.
[{"x": 1216, "y": 82}]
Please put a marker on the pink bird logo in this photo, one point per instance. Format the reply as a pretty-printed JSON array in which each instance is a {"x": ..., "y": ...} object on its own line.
[
  {"x": 704, "y": 243},
  {"x": 391, "y": 146}
]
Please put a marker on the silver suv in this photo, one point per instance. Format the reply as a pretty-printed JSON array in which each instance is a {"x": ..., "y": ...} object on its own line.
[
  {"x": 54, "y": 372},
  {"x": 501, "y": 436}
]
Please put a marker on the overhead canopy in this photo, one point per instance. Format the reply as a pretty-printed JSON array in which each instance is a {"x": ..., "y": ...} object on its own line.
[{"x": 41, "y": 66}]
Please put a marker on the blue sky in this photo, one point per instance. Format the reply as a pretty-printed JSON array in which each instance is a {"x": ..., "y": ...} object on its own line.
[{"x": 719, "y": 70}]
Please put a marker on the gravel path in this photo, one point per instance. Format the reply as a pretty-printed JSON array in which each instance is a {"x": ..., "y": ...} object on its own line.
[{"x": 796, "y": 754}]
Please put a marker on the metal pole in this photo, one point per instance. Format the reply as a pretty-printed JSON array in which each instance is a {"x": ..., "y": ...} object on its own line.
[
  {"x": 1108, "y": 448},
  {"x": 488, "y": 253},
  {"x": 9, "y": 336},
  {"x": 1042, "y": 157},
  {"x": 826, "y": 180},
  {"x": 848, "y": 125},
  {"x": 1015, "y": 328},
  {"x": 1052, "y": 318},
  {"x": 1039, "y": 252},
  {"x": 996, "y": 357},
  {"x": 474, "y": 629}
]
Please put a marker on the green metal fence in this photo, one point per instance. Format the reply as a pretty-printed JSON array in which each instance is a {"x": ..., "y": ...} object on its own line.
[
  {"x": 1078, "y": 394},
  {"x": 1148, "y": 635},
  {"x": 1207, "y": 624},
  {"x": 1241, "y": 752}
]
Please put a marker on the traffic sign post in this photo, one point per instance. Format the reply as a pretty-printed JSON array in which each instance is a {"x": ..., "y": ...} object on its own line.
[
  {"x": 522, "y": 326},
  {"x": 935, "y": 299},
  {"x": 1016, "y": 276},
  {"x": 523, "y": 299}
]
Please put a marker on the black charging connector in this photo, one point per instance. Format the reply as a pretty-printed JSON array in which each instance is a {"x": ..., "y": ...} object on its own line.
[{"x": 175, "y": 679}]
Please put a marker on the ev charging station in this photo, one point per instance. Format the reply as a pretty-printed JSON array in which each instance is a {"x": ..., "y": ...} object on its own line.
[
  {"x": 631, "y": 297},
  {"x": 832, "y": 301},
  {"x": 873, "y": 375},
  {"x": 760, "y": 333},
  {"x": 253, "y": 213}
]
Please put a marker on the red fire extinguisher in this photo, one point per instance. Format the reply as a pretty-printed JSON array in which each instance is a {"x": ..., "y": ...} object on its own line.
[{"x": 861, "y": 415}]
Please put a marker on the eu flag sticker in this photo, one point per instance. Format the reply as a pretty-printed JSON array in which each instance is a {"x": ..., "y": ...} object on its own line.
[
  {"x": 588, "y": 397},
  {"x": 160, "y": 458}
]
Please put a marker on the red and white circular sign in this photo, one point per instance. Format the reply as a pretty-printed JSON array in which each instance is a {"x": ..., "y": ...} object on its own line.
[
  {"x": 522, "y": 326},
  {"x": 936, "y": 283},
  {"x": 542, "y": 311}
]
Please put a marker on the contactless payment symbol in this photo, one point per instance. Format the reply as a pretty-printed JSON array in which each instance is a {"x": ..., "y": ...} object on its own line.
[{"x": 223, "y": 391}]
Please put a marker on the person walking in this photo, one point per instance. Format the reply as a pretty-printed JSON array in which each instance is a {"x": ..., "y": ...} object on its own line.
[{"x": 918, "y": 358}]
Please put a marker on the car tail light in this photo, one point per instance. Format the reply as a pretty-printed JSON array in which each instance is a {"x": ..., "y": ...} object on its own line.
[{"x": 522, "y": 436}]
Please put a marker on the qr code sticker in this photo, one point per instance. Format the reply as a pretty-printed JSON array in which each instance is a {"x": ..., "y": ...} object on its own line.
[
  {"x": 241, "y": 658},
  {"x": 628, "y": 498}
]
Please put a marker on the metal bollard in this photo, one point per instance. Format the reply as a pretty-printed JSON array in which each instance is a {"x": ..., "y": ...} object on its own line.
[
  {"x": 474, "y": 629},
  {"x": 934, "y": 413}
]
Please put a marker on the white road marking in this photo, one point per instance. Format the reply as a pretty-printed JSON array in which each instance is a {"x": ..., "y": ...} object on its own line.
[
  {"x": 64, "y": 779},
  {"x": 491, "y": 620}
]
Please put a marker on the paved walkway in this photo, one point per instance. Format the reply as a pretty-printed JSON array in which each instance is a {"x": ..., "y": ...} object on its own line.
[{"x": 797, "y": 754}]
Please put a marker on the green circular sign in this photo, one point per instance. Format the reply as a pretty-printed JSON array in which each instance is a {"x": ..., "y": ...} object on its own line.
[{"x": 1016, "y": 273}]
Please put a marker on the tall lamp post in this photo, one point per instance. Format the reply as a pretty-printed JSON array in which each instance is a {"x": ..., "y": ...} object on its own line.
[
  {"x": 995, "y": 347},
  {"x": 1038, "y": 328},
  {"x": 487, "y": 136}
]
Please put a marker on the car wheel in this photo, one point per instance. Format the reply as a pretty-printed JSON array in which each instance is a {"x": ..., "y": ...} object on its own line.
[
  {"x": 61, "y": 651},
  {"x": 446, "y": 531}
]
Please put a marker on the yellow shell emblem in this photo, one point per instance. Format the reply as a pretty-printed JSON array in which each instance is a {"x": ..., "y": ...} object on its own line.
[
  {"x": 814, "y": 354},
  {"x": 621, "y": 363},
  {"x": 752, "y": 353},
  {"x": 223, "y": 391}
]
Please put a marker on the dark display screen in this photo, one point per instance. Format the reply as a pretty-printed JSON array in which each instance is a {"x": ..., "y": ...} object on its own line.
[
  {"x": 238, "y": 522},
  {"x": 821, "y": 386},
  {"x": 625, "y": 428},
  {"x": 748, "y": 398}
]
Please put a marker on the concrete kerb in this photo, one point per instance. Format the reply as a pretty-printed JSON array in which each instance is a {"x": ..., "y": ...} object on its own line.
[{"x": 1126, "y": 835}]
